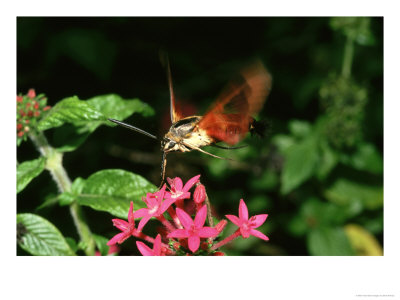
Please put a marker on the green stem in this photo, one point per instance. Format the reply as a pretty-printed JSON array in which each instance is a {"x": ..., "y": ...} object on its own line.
[
  {"x": 348, "y": 57},
  {"x": 60, "y": 176}
]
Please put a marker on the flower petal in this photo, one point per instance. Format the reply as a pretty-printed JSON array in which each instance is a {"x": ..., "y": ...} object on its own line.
[
  {"x": 161, "y": 193},
  {"x": 258, "y": 220},
  {"x": 131, "y": 218},
  {"x": 243, "y": 212},
  {"x": 143, "y": 221},
  {"x": 235, "y": 220},
  {"x": 140, "y": 213},
  {"x": 179, "y": 233},
  {"x": 194, "y": 243},
  {"x": 200, "y": 217},
  {"x": 176, "y": 184},
  {"x": 144, "y": 249},
  {"x": 166, "y": 204},
  {"x": 120, "y": 224},
  {"x": 259, "y": 234},
  {"x": 190, "y": 183},
  {"x": 245, "y": 232},
  {"x": 185, "y": 219},
  {"x": 151, "y": 200},
  {"x": 206, "y": 232},
  {"x": 118, "y": 238},
  {"x": 157, "y": 245}
]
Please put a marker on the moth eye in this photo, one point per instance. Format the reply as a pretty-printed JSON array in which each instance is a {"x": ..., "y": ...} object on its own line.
[{"x": 171, "y": 145}]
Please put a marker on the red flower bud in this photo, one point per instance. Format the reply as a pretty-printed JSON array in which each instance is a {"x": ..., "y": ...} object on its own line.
[
  {"x": 31, "y": 93},
  {"x": 221, "y": 225},
  {"x": 37, "y": 113},
  {"x": 28, "y": 105},
  {"x": 21, "y": 133},
  {"x": 19, "y": 99},
  {"x": 218, "y": 253},
  {"x": 204, "y": 246},
  {"x": 46, "y": 108},
  {"x": 176, "y": 246},
  {"x": 19, "y": 126},
  {"x": 22, "y": 113},
  {"x": 30, "y": 113},
  {"x": 36, "y": 105},
  {"x": 199, "y": 194}
]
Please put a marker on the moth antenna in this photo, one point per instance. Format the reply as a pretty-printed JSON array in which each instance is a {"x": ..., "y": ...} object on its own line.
[{"x": 133, "y": 128}]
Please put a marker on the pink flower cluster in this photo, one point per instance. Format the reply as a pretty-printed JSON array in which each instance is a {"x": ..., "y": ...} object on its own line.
[{"x": 180, "y": 232}]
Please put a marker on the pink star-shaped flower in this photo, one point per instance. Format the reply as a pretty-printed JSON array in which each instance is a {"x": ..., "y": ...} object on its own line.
[
  {"x": 178, "y": 191},
  {"x": 147, "y": 251},
  {"x": 127, "y": 228},
  {"x": 193, "y": 230},
  {"x": 247, "y": 225},
  {"x": 155, "y": 207}
]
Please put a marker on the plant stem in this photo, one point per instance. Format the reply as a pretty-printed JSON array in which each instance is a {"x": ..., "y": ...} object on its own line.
[
  {"x": 166, "y": 223},
  {"x": 226, "y": 240},
  {"x": 348, "y": 56},
  {"x": 60, "y": 176}
]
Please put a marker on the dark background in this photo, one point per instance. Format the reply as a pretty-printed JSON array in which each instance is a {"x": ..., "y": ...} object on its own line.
[{"x": 86, "y": 57}]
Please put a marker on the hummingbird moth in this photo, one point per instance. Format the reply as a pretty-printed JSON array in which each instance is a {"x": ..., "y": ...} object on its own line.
[{"x": 228, "y": 120}]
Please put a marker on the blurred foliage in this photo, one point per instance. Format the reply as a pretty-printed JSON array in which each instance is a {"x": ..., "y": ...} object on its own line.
[{"x": 318, "y": 174}]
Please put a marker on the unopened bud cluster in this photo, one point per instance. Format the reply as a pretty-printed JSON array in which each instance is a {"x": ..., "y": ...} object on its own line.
[{"x": 29, "y": 109}]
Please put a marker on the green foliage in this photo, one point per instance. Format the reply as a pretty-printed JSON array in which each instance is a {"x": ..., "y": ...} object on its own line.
[
  {"x": 28, "y": 170},
  {"x": 113, "y": 190},
  {"x": 101, "y": 244},
  {"x": 354, "y": 27},
  {"x": 345, "y": 192},
  {"x": 318, "y": 173},
  {"x": 329, "y": 241},
  {"x": 299, "y": 165},
  {"x": 70, "y": 110},
  {"x": 87, "y": 116},
  {"x": 39, "y": 237}
]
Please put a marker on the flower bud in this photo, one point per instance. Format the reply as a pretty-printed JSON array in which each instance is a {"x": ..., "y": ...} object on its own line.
[
  {"x": 199, "y": 194},
  {"x": 221, "y": 225},
  {"x": 31, "y": 93}
]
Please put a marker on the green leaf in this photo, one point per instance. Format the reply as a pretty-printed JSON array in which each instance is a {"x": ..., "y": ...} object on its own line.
[
  {"x": 367, "y": 158},
  {"x": 28, "y": 170},
  {"x": 70, "y": 110},
  {"x": 300, "y": 128},
  {"x": 101, "y": 244},
  {"x": 72, "y": 243},
  {"x": 344, "y": 192},
  {"x": 111, "y": 106},
  {"x": 68, "y": 137},
  {"x": 327, "y": 160},
  {"x": 39, "y": 237},
  {"x": 300, "y": 162},
  {"x": 68, "y": 197},
  {"x": 50, "y": 200},
  {"x": 113, "y": 190},
  {"x": 314, "y": 213},
  {"x": 328, "y": 241},
  {"x": 363, "y": 242}
]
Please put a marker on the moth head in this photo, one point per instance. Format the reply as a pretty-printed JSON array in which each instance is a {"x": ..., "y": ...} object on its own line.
[{"x": 169, "y": 145}]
